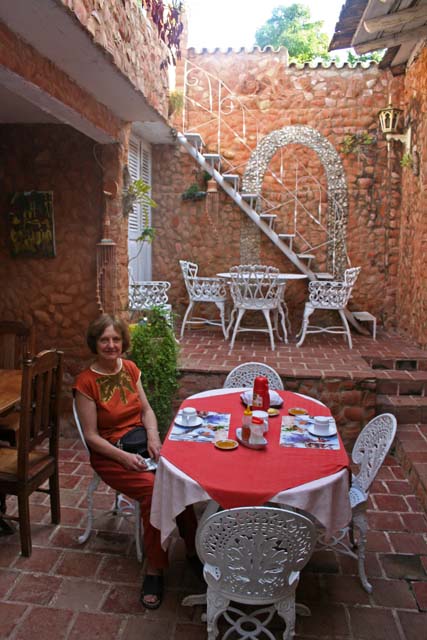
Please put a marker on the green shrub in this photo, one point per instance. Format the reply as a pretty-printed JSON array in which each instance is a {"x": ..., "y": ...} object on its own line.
[{"x": 155, "y": 352}]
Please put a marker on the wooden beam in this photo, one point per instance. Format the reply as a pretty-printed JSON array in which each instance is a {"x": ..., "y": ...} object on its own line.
[
  {"x": 392, "y": 40},
  {"x": 393, "y": 20}
]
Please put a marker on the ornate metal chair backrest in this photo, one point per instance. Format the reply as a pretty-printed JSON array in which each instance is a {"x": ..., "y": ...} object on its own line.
[
  {"x": 16, "y": 343},
  {"x": 333, "y": 294},
  {"x": 251, "y": 553},
  {"x": 371, "y": 448},
  {"x": 255, "y": 286},
  {"x": 201, "y": 288},
  {"x": 148, "y": 294},
  {"x": 245, "y": 374}
]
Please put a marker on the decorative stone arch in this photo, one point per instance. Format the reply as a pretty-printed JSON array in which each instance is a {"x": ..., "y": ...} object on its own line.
[{"x": 337, "y": 213}]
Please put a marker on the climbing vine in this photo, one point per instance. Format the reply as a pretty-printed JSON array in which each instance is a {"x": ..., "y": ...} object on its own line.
[{"x": 168, "y": 20}]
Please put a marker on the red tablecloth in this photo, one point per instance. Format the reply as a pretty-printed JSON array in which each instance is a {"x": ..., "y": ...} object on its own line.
[{"x": 248, "y": 477}]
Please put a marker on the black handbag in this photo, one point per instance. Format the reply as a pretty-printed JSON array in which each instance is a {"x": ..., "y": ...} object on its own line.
[{"x": 134, "y": 441}]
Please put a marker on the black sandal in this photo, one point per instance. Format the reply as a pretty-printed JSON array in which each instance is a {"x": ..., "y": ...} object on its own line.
[{"x": 152, "y": 586}]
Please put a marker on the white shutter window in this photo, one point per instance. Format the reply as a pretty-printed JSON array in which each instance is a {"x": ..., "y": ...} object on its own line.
[{"x": 139, "y": 162}]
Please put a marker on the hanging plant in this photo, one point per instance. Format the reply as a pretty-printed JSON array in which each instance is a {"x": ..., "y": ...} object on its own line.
[
  {"x": 193, "y": 192},
  {"x": 168, "y": 20},
  {"x": 407, "y": 161},
  {"x": 137, "y": 192},
  {"x": 354, "y": 142}
]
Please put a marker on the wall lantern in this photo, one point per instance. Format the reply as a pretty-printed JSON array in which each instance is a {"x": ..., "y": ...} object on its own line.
[{"x": 390, "y": 123}]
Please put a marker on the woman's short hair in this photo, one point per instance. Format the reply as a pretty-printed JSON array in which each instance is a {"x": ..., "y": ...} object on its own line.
[{"x": 98, "y": 326}]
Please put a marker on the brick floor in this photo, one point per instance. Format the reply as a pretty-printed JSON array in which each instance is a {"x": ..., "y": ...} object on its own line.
[{"x": 71, "y": 591}]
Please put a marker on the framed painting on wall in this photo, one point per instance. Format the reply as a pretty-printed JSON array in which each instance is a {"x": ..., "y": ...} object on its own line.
[{"x": 31, "y": 224}]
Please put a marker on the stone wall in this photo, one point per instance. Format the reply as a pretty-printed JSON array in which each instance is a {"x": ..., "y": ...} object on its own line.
[
  {"x": 335, "y": 101},
  {"x": 57, "y": 296},
  {"x": 132, "y": 42},
  {"x": 412, "y": 289}
]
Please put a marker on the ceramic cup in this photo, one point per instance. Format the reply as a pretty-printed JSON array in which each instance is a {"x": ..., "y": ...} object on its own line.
[
  {"x": 189, "y": 416},
  {"x": 264, "y": 416},
  {"x": 321, "y": 424}
]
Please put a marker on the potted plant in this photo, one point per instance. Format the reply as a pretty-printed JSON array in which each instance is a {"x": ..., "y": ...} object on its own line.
[{"x": 154, "y": 350}]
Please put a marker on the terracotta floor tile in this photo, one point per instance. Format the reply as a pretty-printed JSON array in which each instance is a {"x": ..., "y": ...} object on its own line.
[
  {"x": 408, "y": 542},
  {"x": 10, "y": 615},
  {"x": 123, "y": 600},
  {"x": 414, "y": 625},
  {"x": 78, "y": 564},
  {"x": 41, "y": 560},
  {"x": 324, "y": 621},
  {"x": 53, "y": 622},
  {"x": 390, "y": 503},
  {"x": 96, "y": 625},
  {"x": 385, "y": 521},
  {"x": 393, "y": 594},
  {"x": 120, "y": 569},
  {"x": 372, "y": 623},
  {"x": 8, "y": 577},
  {"x": 80, "y": 595},
  {"x": 343, "y": 590},
  {"x": 415, "y": 522},
  {"x": 35, "y": 588}
]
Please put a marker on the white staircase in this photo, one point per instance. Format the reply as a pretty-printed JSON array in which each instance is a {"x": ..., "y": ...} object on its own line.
[{"x": 211, "y": 162}]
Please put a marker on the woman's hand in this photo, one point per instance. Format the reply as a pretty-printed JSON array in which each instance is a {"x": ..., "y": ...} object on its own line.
[
  {"x": 154, "y": 444},
  {"x": 133, "y": 461}
]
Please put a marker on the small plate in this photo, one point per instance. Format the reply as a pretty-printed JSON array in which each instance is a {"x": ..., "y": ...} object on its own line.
[
  {"x": 226, "y": 445},
  {"x": 297, "y": 411},
  {"x": 332, "y": 431},
  {"x": 273, "y": 412},
  {"x": 197, "y": 423},
  {"x": 245, "y": 443}
]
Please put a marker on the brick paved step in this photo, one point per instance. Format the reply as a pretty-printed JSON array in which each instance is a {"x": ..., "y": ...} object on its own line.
[
  {"x": 408, "y": 409},
  {"x": 418, "y": 363},
  {"x": 411, "y": 452},
  {"x": 401, "y": 383}
]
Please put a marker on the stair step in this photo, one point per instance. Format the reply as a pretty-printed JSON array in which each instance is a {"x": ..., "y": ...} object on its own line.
[
  {"x": 233, "y": 178},
  {"x": 214, "y": 159},
  {"x": 305, "y": 256},
  {"x": 286, "y": 236},
  {"x": 393, "y": 382},
  {"x": 195, "y": 139},
  {"x": 407, "y": 409},
  {"x": 365, "y": 316},
  {"x": 324, "y": 275},
  {"x": 268, "y": 216}
]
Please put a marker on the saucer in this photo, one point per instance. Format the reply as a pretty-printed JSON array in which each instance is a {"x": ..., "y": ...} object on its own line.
[
  {"x": 331, "y": 431},
  {"x": 297, "y": 411},
  {"x": 245, "y": 443},
  {"x": 197, "y": 423},
  {"x": 226, "y": 445}
]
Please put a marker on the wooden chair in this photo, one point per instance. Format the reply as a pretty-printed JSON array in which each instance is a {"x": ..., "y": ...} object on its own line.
[
  {"x": 16, "y": 343},
  {"x": 16, "y": 340},
  {"x": 25, "y": 469}
]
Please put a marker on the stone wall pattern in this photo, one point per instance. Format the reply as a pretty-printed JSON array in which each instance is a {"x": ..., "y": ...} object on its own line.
[
  {"x": 336, "y": 102},
  {"x": 412, "y": 290},
  {"x": 132, "y": 42}
]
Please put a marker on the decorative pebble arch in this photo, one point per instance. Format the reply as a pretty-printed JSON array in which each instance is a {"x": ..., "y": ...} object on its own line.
[{"x": 337, "y": 213}]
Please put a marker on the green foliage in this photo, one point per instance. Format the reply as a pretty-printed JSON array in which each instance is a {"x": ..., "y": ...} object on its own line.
[
  {"x": 155, "y": 352},
  {"x": 354, "y": 141},
  {"x": 176, "y": 102},
  {"x": 407, "y": 160},
  {"x": 138, "y": 193},
  {"x": 193, "y": 192},
  {"x": 374, "y": 56},
  {"x": 291, "y": 27}
]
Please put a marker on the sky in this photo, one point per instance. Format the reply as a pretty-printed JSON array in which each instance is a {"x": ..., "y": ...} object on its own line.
[{"x": 232, "y": 23}]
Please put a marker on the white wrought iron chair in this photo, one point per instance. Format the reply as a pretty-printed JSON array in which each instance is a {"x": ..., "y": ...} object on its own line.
[
  {"x": 369, "y": 452},
  {"x": 332, "y": 295},
  {"x": 257, "y": 288},
  {"x": 203, "y": 289},
  {"x": 122, "y": 506},
  {"x": 146, "y": 294},
  {"x": 253, "y": 555},
  {"x": 245, "y": 374}
]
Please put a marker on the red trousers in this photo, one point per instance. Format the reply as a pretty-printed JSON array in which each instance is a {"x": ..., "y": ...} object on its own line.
[{"x": 139, "y": 486}]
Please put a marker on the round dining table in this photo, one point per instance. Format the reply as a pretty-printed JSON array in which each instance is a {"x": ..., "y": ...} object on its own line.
[{"x": 315, "y": 481}]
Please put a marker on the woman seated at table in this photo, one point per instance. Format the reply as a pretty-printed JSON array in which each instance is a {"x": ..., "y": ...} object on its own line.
[{"x": 110, "y": 402}]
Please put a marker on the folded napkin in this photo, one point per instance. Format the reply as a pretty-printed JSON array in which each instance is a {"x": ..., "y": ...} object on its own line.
[{"x": 275, "y": 399}]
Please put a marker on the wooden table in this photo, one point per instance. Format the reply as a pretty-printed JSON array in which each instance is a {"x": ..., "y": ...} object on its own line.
[{"x": 10, "y": 388}]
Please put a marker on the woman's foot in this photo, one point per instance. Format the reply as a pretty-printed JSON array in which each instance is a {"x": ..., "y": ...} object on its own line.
[{"x": 152, "y": 591}]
